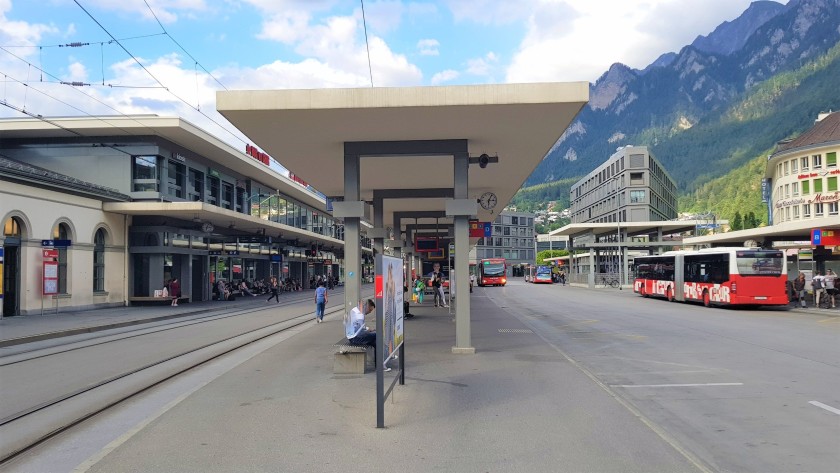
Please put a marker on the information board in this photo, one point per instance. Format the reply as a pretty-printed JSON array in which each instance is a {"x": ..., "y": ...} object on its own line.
[{"x": 50, "y": 278}]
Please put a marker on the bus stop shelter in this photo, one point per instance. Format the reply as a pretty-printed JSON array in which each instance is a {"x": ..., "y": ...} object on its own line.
[{"x": 421, "y": 155}]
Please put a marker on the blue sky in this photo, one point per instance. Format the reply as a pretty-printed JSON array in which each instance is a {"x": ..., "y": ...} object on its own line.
[{"x": 258, "y": 44}]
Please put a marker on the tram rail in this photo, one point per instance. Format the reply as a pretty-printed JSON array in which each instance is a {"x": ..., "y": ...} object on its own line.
[{"x": 28, "y": 427}]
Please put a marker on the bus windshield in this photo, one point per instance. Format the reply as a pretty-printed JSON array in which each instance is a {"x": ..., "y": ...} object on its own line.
[
  {"x": 493, "y": 269},
  {"x": 759, "y": 263},
  {"x": 543, "y": 270}
]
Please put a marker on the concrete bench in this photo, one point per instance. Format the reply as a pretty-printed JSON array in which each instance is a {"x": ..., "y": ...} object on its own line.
[{"x": 351, "y": 359}]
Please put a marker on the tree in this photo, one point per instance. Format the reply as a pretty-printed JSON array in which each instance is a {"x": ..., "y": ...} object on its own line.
[
  {"x": 736, "y": 221},
  {"x": 542, "y": 255}
]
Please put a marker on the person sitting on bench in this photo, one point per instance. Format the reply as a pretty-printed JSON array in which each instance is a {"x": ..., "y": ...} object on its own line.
[{"x": 361, "y": 335}]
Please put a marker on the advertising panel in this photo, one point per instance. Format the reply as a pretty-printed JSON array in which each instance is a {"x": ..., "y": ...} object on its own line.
[{"x": 389, "y": 302}]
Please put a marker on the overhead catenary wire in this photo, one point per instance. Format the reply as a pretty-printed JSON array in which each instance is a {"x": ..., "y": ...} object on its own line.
[
  {"x": 182, "y": 48},
  {"x": 137, "y": 61},
  {"x": 367, "y": 43}
]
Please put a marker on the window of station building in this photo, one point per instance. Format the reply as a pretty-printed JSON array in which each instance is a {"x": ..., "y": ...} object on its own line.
[
  {"x": 62, "y": 232},
  {"x": 831, "y": 159},
  {"x": 818, "y": 209},
  {"x": 795, "y": 212},
  {"x": 805, "y": 163},
  {"x": 637, "y": 196},
  {"x": 795, "y": 189},
  {"x": 239, "y": 200},
  {"x": 787, "y": 168},
  {"x": 175, "y": 179},
  {"x": 787, "y": 191},
  {"x": 806, "y": 210},
  {"x": 818, "y": 185},
  {"x": 794, "y": 166},
  {"x": 195, "y": 187},
  {"x": 817, "y": 160},
  {"x": 213, "y": 190},
  {"x": 227, "y": 195},
  {"x": 99, "y": 261},
  {"x": 806, "y": 187},
  {"x": 145, "y": 174},
  {"x": 779, "y": 169},
  {"x": 12, "y": 228},
  {"x": 831, "y": 184}
]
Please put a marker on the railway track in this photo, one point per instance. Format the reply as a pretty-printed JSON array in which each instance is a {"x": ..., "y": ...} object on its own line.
[{"x": 22, "y": 428}]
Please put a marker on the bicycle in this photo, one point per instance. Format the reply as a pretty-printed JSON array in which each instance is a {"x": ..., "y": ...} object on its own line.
[{"x": 609, "y": 281}]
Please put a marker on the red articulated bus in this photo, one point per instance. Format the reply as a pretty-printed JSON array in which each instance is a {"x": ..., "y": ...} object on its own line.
[
  {"x": 714, "y": 276},
  {"x": 492, "y": 272}
]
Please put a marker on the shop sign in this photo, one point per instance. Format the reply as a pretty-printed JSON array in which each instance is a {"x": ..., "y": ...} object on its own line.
[
  {"x": 255, "y": 153},
  {"x": 300, "y": 181},
  {"x": 765, "y": 190},
  {"x": 49, "y": 253},
  {"x": 214, "y": 253},
  {"x": 233, "y": 253},
  {"x": 179, "y": 157},
  {"x": 785, "y": 203},
  {"x": 820, "y": 198},
  {"x": 818, "y": 174}
]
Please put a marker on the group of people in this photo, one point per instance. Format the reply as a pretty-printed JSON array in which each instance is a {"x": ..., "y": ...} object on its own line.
[{"x": 824, "y": 285}]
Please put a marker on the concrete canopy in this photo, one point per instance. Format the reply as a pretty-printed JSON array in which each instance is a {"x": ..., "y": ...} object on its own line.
[{"x": 306, "y": 131}]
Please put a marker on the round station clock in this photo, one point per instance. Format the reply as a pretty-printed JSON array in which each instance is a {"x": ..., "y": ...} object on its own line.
[
  {"x": 207, "y": 227},
  {"x": 487, "y": 200}
]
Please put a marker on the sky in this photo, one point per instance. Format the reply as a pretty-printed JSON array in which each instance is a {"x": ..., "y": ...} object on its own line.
[{"x": 169, "y": 57}]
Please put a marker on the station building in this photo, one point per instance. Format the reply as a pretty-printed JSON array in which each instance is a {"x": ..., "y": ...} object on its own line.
[
  {"x": 127, "y": 203},
  {"x": 631, "y": 186}
]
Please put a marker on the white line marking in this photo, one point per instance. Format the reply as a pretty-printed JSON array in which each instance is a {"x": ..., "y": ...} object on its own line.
[
  {"x": 824, "y": 406},
  {"x": 672, "y": 385}
]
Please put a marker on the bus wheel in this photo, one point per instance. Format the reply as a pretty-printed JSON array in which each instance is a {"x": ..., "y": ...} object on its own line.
[
  {"x": 669, "y": 294},
  {"x": 706, "y": 300}
]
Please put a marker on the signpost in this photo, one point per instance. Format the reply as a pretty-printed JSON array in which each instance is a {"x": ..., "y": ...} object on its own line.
[{"x": 49, "y": 282}]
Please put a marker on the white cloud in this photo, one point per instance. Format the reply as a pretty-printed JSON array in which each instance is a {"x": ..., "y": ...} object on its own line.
[
  {"x": 579, "y": 39},
  {"x": 445, "y": 76},
  {"x": 482, "y": 66},
  {"x": 165, "y": 10},
  {"x": 428, "y": 47},
  {"x": 490, "y": 12}
]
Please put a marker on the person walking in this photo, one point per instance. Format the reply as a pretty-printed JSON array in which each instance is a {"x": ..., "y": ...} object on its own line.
[
  {"x": 320, "y": 302},
  {"x": 174, "y": 291},
  {"x": 420, "y": 287},
  {"x": 818, "y": 284},
  {"x": 275, "y": 290},
  {"x": 799, "y": 289}
]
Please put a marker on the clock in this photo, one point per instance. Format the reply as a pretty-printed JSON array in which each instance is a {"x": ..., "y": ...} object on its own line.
[
  {"x": 487, "y": 200},
  {"x": 207, "y": 227}
]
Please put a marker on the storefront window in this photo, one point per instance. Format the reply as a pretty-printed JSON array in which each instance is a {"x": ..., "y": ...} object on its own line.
[{"x": 196, "y": 186}]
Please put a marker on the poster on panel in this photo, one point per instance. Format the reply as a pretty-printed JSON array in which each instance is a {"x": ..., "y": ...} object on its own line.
[{"x": 389, "y": 295}]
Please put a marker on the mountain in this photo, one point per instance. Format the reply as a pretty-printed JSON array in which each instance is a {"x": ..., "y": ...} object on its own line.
[
  {"x": 692, "y": 107},
  {"x": 731, "y": 36}
]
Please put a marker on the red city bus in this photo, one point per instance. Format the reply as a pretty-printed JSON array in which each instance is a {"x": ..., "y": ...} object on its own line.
[
  {"x": 492, "y": 272},
  {"x": 714, "y": 276}
]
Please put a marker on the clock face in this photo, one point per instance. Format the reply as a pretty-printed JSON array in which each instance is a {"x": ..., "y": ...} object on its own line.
[
  {"x": 487, "y": 200},
  {"x": 207, "y": 227}
]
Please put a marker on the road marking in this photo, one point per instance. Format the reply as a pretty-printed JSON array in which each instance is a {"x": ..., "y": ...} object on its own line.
[
  {"x": 672, "y": 385},
  {"x": 824, "y": 406}
]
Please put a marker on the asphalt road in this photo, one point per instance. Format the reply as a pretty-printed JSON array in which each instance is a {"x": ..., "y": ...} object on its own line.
[{"x": 743, "y": 390}]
